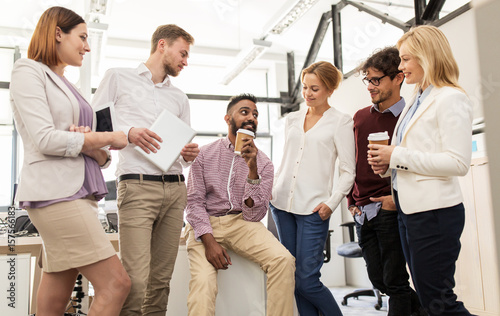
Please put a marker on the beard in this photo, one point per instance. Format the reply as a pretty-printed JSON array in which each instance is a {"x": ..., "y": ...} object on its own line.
[
  {"x": 169, "y": 67},
  {"x": 382, "y": 97},
  {"x": 171, "y": 71},
  {"x": 235, "y": 128}
]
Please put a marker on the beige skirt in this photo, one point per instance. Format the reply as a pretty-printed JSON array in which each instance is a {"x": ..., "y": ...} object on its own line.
[{"x": 72, "y": 235}]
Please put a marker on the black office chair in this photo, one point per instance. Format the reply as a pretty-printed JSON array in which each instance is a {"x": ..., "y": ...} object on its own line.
[
  {"x": 327, "y": 253},
  {"x": 353, "y": 250}
]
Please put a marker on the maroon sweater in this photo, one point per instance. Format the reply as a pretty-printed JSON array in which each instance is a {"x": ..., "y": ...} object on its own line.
[{"x": 367, "y": 184}]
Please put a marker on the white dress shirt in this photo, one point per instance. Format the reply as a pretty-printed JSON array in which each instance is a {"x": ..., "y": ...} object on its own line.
[
  {"x": 306, "y": 175},
  {"x": 138, "y": 102}
]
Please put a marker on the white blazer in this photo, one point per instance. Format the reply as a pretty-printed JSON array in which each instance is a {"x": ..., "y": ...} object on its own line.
[
  {"x": 44, "y": 108},
  {"x": 436, "y": 148}
]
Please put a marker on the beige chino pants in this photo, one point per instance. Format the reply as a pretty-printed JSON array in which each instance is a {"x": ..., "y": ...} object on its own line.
[
  {"x": 252, "y": 241},
  {"x": 150, "y": 217}
]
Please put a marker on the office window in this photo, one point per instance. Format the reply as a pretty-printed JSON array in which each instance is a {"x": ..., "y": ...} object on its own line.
[
  {"x": 6, "y": 128},
  {"x": 207, "y": 116},
  {"x": 5, "y": 109},
  {"x": 6, "y": 63},
  {"x": 200, "y": 79},
  {"x": 5, "y": 165}
]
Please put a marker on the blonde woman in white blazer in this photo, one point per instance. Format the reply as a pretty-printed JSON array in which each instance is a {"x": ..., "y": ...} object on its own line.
[
  {"x": 430, "y": 149},
  {"x": 60, "y": 181}
]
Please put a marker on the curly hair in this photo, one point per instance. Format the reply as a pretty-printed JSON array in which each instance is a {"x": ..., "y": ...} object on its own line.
[{"x": 385, "y": 60}]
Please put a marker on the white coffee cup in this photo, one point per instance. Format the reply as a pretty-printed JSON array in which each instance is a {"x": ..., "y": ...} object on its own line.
[
  {"x": 381, "y": 138},
  {"x": 240, "y": 134}
]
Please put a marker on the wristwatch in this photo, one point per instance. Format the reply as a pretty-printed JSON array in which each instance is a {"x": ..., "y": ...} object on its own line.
[
  {"x": 254, "y": 181},
  {"x": 108, "y": 159}
]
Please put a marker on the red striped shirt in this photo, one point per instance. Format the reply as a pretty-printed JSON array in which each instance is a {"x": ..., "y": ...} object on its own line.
[{"x": 218, "y": 185}]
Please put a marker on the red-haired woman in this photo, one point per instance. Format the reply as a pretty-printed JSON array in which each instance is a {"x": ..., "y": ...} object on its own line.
[{"x": 61, "y": 181}]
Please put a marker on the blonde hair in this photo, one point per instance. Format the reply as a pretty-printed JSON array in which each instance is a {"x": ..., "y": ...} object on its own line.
[
  {"x": 433, "y": 52},
  {"x": 42, "y": 46},
  {"x": 326, "y": 72}
]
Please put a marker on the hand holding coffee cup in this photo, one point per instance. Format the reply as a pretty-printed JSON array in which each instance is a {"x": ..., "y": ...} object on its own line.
[
  {"x": 379, "y": 153},
  {"x": 240, "y": 135}
]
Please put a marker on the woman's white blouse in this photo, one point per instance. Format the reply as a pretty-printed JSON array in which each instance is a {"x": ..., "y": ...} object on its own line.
[{"x": 306, "y": 174}]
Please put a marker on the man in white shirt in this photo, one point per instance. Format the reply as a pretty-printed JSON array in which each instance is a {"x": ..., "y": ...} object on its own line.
[{"x": 150, "y": 203}]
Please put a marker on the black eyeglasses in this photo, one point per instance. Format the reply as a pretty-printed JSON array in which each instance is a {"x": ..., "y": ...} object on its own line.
[{"x": 374, "y": 81}]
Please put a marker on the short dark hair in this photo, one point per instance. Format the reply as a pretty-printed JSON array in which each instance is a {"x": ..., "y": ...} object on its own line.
[
  {"x": 237, "y": 98},
  {"x": 385, "y": 60},
  {"x": 170, "y": 33}
]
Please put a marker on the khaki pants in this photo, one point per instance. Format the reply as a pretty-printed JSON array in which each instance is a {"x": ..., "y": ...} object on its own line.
[
  {"x": 150, "y": 217},
  {"x": 252, "y": 241}
]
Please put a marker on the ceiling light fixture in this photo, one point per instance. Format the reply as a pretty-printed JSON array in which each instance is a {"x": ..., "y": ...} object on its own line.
[
  {"x": 98, "y": 6},
  {"x": 294, "y": 10},
  {"x": 259, "y": 47},
  {"x": 293, "y": 14},
  {"x": 95, "y": 16}
]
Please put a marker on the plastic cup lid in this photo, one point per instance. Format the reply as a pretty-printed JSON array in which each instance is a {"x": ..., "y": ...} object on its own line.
[
  {"x": 378, "y": 136},
  {"x": 245, "y": 131}
]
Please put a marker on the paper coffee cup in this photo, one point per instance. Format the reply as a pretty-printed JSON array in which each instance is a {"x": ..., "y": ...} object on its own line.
[
  {"x": 240, "y": 134},
  {"x": 381, "y": 138}
]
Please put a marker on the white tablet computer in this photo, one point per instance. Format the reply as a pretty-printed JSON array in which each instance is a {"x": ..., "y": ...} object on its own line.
[{"x": 175, "y": 134}]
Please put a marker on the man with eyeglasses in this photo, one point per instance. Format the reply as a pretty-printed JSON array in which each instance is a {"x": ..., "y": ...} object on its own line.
[{"x": 370, "y": 201}]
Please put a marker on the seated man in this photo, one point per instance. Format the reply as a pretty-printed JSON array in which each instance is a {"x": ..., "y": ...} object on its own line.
[{"x": 228, "y": 195}]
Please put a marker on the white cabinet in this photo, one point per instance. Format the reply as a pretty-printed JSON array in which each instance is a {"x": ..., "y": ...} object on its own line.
[
  {"x": 477, "y": 277},
  {"x": 242, "y": 287}
]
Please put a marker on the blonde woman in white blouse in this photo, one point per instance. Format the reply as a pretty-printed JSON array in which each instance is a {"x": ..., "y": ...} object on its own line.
[{"x": 304, "y": 194}]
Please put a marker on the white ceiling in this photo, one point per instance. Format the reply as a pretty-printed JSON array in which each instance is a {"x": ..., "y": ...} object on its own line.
[{"x": 221, "y": 28}]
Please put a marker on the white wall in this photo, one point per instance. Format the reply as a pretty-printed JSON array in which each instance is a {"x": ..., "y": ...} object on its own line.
[
  {"x": 461, "y": 33},
  {"x": 353, "y": 95},
  {"x": 488, "y": 28}
]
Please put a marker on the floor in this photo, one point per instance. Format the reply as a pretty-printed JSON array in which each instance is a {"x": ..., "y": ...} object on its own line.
[{"x": 364, "y": 306}]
